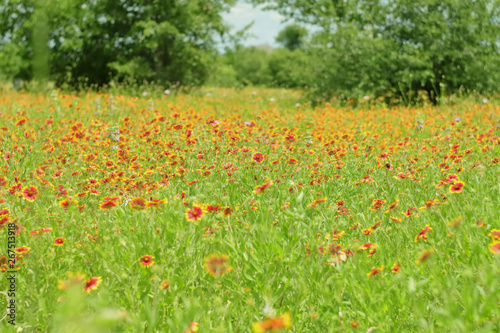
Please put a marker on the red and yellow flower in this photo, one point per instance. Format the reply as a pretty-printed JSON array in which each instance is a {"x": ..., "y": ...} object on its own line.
[
  {"x": 59, "y": 241},
  {"x": 194, "y": 214},
  {"x": 146, "y": 261},
  {"x": 92, "y": 284},
  {"x": 30, "y": 193},
  {"x": 217, "y": 265},
  {"x": 273, "y": 324},
  {"x": 109, "y": 202},
  {"x": 457, "y": 187}
]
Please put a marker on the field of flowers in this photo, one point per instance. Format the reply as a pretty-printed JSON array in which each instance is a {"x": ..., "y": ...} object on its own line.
[{"x": 247, "y": 212}]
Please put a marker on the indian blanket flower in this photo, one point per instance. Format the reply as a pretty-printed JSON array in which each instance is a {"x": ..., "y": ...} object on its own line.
[
  {"x": 137, "y": 203},
  {"x": 23, "y": 249},
  {"x": 146, "y": 261},
  {"x": 367, "y": 231},
  {"x": 377, "y": 204},
  {"x": 315, "y": 203},
  {"x": 273, "y": 324},
  {"x": 258, "y": 157},
  {"x": 164, "y": 284},
  {"x": 409, "y": 212},
  {"x": 195, "y": 213},
  {"x": 423, "y": 233},
  {"x": 156, "y": 203},
  {"x": 59, "y": 241},
  {"x": 429, "y": 204},
  {"x": 65, "y": 203},
  {"x": 495, "y": 247},
  {"x": 259, "y": 189},
  {"x": 495, "y": 234},
  {"x": 457, "y": 187},
  {"x": 396, "y": 219},
  {"x": 392, "y": 206},
  {"x": 217, "y": 264},
  {"x": 375, "y": 271},
  {"x": 395, "y": 268},
  {"x": 30, "y": 193},
  {"x": 92, "y": 284},
  {"x": 108, "y": 203},
  {"x": 424, "y": 255},
  {"x": 371, "y": 247},
  {"x": 193, "y": 327}
]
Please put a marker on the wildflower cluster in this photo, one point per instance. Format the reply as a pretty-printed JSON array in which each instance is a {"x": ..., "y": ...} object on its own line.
[{"x": 195, "y": 212}]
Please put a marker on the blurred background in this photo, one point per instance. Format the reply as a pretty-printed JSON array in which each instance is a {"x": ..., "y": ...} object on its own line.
[{"x": 408, "y": 51}]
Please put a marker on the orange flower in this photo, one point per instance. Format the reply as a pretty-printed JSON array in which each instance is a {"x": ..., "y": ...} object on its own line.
[
  {"x": 372, "y": 247},
  {"x": 165, "y": 284},
  {"x": 423, "y": 233},
  {"x": 92, "y": 284},
  {"x": 217, "y": 264},
  {"x": 424, "y": 256},
  {"x": 259, "y": 189},
  {"x": 273, "y": 324},
  {"x": 316, "y": 202},
  {"x": 146, "y": 261},
  {"x": 396, "y": 219},
  {"x": 30, "y": 193},
  {"x": 377, "y": 204},
  {"x": 65, "y": 203},
  {"x": 155, "y": 203},
  {"x": 392, "y": 206},
  {"x": 227, "y": 211},
  {"x": 193, "y": 327},
  {"x": 375, "y": 271},
  {"x": 395, "y": 268},
  {"x": 367, "y": 231}
]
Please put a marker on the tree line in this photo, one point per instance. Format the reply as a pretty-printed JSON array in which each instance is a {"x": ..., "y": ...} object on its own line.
[{"x": 398, "y": 50}]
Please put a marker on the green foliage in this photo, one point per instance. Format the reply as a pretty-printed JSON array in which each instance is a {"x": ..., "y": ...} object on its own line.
[
  {"x": 292, "y": 37},
  {"x": 250, "y": 65},
  {"x": 287, "y": 68},
  {"x": 398, "y": 48},
  {"x": 257, "y": 67},
  {"x": 163, "y": 41}
]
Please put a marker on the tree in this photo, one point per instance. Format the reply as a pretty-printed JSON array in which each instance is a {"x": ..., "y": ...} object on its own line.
[
  {"x": 292, "y": 36},
  {"x": 401, "y": 47},
  {"x": 288, "y": 69},
  {"x": 250, "y": 64},
  {"x": 100, "y": 40}
]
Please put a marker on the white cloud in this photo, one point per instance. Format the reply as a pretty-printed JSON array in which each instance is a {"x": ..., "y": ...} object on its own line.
[{"x": 266, "y": 25}]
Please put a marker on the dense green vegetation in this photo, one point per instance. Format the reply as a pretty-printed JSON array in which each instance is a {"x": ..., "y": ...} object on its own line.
[{"x": 404, "y": 51}]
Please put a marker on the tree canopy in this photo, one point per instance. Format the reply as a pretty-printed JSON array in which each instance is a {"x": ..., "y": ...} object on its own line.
[
  {"x": 292, "y": 36},
  {"x": 401, "y": 47},
  {"x": 154, "y": 40}
]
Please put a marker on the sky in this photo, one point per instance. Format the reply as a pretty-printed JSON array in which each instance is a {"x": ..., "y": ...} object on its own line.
[{"x": 267, "y": 24}]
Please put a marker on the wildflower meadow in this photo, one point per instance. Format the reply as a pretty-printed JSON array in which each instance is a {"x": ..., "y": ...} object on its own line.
[{"x": 247, "y": 211}]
